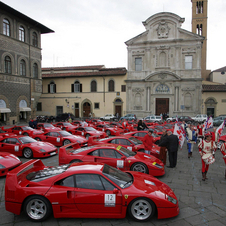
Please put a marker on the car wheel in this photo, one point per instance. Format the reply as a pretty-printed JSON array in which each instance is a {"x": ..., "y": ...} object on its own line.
[
  {"x": 141, "y": 209},
  {"x": 75, "y": 160},
  {"x": 141, "y": 150},
  {"x": 37, "y": 138},
  {"x": 87, "y": 136},
  {"x": 219, "y": 144},
  {"x": 27, "y": 153},
  {"x": 37, "y": 208},
  {"x": 140, "y": 167},
  {"x": 108, "y": 132},
  {"x": 66, "y": 142},
  {"x": 25, "y": 134}
]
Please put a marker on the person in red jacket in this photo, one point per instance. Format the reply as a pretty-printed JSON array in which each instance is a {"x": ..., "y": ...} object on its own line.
[
  {"x": 223, "y": 151},
  {"x": 148, "y": 142}
]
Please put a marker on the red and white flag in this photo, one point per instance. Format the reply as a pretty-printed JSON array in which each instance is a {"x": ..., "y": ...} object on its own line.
[
  {"x": 178, "y": 131},
  {"x": 220, "y": 128},
  {"x": 208, "y": 123}
]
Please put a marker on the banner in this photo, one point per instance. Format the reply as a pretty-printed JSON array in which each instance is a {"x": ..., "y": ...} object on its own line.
[{"x": 180, "y": 134}]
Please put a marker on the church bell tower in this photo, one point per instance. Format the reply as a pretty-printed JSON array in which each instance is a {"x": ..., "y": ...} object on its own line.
[{"x": 199, "y": 26}]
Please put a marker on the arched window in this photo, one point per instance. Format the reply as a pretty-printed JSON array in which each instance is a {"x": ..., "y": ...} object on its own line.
[
  {"x": 35, "y": 70},
  {"x": 76, "y": 87},
  {"x": 22, "y": 68},
  {"x": 52, "y": 87},
  {"x": 6, "y": 27},
  {"x": 8, "y": 65},
  {"x": 199, "y": 29},
  {"x": 111, "y": 86},
  {"x": 93, "y": 86},
  {"x": 199, "y": 7},
  {"x": 34, "y": 39},
  {"x": 21, "y": 34}
]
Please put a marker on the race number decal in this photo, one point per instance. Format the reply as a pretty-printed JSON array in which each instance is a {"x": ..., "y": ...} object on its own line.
[
  {"x": 109, "y": 200},
  {"x": 16, "y": 148},
  {"x": 129, "y": 148},
  {"x": 120, "y": 163},
  {"x": 82, "y": 133},
  {"x": 119, "y": 147},
  {"x": 58, "y": 139}
]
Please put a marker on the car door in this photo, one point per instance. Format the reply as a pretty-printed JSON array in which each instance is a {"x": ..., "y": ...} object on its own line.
[
  {"x": 11, "y": 145},
  {"x": 53, "y": 138},
  {"x": 94, "y": 194}
]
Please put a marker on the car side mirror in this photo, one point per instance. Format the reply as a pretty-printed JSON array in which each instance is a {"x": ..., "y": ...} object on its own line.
[
  {"x": 123, "y": 157},
  {"x": 115, "y": 191}
]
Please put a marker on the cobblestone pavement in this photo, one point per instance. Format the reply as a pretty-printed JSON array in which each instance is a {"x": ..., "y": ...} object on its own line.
[{"x": 201, "y": 202}]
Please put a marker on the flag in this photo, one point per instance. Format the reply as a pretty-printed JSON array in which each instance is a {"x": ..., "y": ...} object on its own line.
[
  {"x": 180, "y": 134},
  {"x": 220, "y": 128},
  {"x": 208, "y": 123},
  {"x": 176, "y": 119}
]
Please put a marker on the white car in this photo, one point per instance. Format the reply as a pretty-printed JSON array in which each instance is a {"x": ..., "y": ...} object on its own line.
[
  {"x": 200, "y": 118},
  {"x": 153, "y": 118},
  {"x": 172, "y": 119},
  {"x": 108, "y": 117}
]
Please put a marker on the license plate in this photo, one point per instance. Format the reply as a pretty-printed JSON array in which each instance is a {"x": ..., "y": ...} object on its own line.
[{"x": 53, "y": 153}]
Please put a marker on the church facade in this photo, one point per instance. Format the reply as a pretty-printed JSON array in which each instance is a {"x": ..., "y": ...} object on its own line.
[{"x": 164, "y": 68}]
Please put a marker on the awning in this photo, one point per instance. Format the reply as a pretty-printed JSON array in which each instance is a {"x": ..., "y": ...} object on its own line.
[
  {"x": 25, "y": 109},
  {"x": 5, "y": 110}
]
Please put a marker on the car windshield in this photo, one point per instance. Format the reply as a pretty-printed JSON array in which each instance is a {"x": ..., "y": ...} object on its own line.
[
  {"x": 135, "y": 140},
  {"x": 89, "y": 129},
  {"x": 81, "y": 149},
  {"x": 48, "y": 125},
  {"x": 67, "y": 124},
  {"x": 64, "y": 133},
  {"x": 125, "y": 151},
  {"x": 27, "y": 140},
  {"x": 123, "y": 180},
  {"x": 155, "y": 135},
  {"x": 26, "y": 128}
]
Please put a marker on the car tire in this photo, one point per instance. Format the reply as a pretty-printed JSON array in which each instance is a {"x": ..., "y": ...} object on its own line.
[
  {"x": 37, "y": 138},
  {"x": 75, "y": 160},
  {"x": 139, "y": 167},
  {"x": 141, "y": 209},
  {"x": 219, "y": 144},
  {"x": 27, "y": 153},
  {"x": 87, "y": 136},
  {"x": 141, "y": 150},
  {"x": 37, "y": 208},
  {"x": 108, "y": 132},
  {"x": 66, "y": 142},
  {"x": 25, "y": 134}
]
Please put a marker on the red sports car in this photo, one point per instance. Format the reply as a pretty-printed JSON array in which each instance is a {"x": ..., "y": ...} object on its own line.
[
  {"x": 5, "y": 134},
  {"x": 8, "y": 162},
  {"x": 88, "y": 131},
  {"x": 47, "y": 127},
  {"x": 79, "y": 123},
  {"x": 66, "y": 126},
  {"x": 22, "y": 130},
  {"x": 27, "y": 147},
  {"x": 221, "y": 140},
  {"x": 140, "y": 135},
  {"x": 109, "y": 129},
  {"x": 113, "y": 155},
  {"x": 60, "y": 138},
  {"x": 86, "y": 190}
]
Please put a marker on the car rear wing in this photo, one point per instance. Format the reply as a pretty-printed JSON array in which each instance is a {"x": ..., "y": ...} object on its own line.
[
  {"x": 92, "y": 140},
  {"x": 12, "y": 176}
]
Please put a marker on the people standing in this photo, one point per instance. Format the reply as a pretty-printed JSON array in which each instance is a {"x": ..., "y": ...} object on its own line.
[
  {"x": 163, "y": 149},
  {"x": 207, "y": 146},
  {"x": 172, "y": 143},
  {"x": 141, "y": 125},
  {"x": 200, "y": 131},
  {"x": 35, "y": 122},
  {"x": 223, "y": 151},
  {"x": 148, "y": 142},
  {"x": 192, "y": 138},
  {"x": 31, "y": 123}
]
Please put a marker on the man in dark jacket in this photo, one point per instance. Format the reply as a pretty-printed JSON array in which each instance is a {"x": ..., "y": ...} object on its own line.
[
  {"x": 172, "y": 143},
  {"x": 163, "y": 149}
]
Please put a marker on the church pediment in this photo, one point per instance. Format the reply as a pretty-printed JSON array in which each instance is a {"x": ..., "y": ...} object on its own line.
[{"x": 162, "y": 75}]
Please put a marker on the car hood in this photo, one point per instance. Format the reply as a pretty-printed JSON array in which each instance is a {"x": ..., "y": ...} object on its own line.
[
  {"x": 149, "y": 159},
  {"x": 75, "y": 137},
  {"x": 9, "y": 160},
  {"x": 40, "y": 144}
]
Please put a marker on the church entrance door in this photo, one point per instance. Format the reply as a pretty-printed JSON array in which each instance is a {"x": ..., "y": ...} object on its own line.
[{"x": 161, "y": 105}]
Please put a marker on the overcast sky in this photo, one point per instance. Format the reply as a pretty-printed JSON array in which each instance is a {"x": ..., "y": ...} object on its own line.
[{"x": 94, "y": 32}]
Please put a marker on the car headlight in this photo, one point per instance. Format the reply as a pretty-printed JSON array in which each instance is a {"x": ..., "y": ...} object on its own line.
[
  {"x": 149, "y": 182},
  {"x": 42, "y": 150},
  {"x": 171, "y": 199},
  {"x": 78, "y": 141},
  {"x": 158, "y": 166},
  {"x": 2, "y": 167},
  {"x": 157, "y": 152},
  {"x": 15, "y": 157}
]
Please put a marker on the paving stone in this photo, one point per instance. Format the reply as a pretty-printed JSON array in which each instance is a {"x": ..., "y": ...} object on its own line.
[
  {"x": 187, "y": 212},
  {"x": 217, "y": 210}
]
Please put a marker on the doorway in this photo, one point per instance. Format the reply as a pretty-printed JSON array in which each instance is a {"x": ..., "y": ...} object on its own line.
[
  {"x": 161, "y": 105},
  {"x": 86, "y": 109}
]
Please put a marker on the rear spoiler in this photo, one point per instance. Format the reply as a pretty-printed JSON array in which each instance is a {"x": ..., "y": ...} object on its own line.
[
  {"x": 12, "y": 176},
  {"x": 92, "y": 140}
]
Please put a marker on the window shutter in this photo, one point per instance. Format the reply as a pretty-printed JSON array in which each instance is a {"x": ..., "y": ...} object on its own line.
[
  {"x": 72, "y": 88},
  {"x": 48, "y": 88},
  {"x": 54, "y": 88},
  {"x": 80, "y": 88}
]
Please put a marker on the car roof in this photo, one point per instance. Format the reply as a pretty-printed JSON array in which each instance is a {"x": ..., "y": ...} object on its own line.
[{"x": 84, "y": 167}]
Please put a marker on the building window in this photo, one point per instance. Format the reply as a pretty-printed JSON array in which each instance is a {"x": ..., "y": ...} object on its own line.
[
  {"x": 35, "y": 70},
  {"x": 138, "y": 64},
  {"x": 93, "y": 86},
  {"x": 21, "y": 34},
  {"x": 52, "y": 87},
  {"x": 34, "y": 39},
  {"x": 76, "y": 87},
  {"x": 6, "y": 27},
  {"x": 199, "y": 7},
  {"x": 96, "y": 105},
  {"x": 123, "y": 88},
  {"x": 199, "y": 29},
  {"x": 39, "y": 106},
  {"x": 8, "y": 65},
  {"x": 111, "y": 86},
  {"x": 22, "y": 68},
  {"x": 188, "y": 62}
]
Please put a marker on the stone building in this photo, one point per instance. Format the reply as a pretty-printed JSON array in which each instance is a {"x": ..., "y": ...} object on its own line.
[
  {"x": 164, "y": 68},
  {"x": 83, "y": 90},
  {"x": 20, "y": 67}
]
